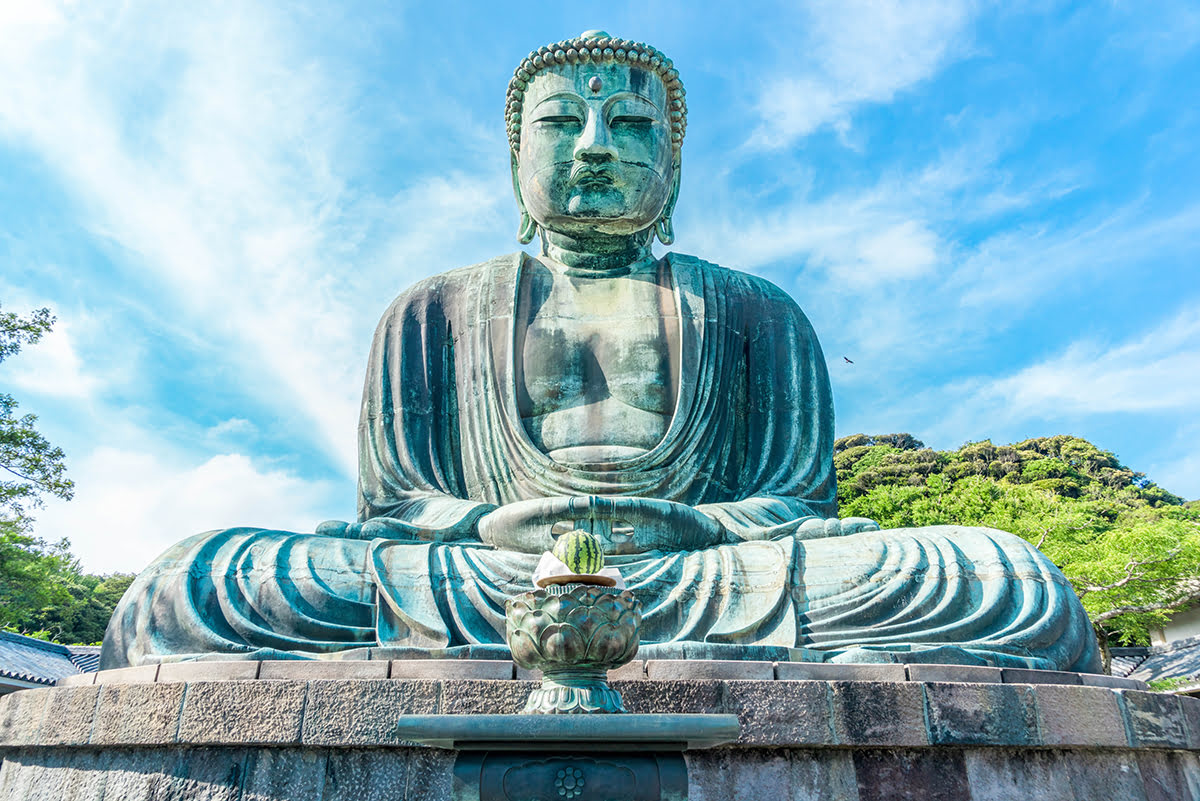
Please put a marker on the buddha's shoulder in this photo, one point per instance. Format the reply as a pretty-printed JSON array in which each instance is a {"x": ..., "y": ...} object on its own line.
[
  {"x": 454, "y": 283},
  {"x": 739, "y": 284}
]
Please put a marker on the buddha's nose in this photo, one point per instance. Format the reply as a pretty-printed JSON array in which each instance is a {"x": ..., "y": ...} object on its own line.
[{"x": 595, "y": 141}]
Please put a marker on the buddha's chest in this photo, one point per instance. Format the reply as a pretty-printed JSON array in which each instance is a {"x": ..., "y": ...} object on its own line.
[{"x": 585, "y": 342}]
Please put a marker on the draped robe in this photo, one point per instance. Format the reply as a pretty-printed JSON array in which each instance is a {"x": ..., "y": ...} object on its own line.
[{"x": 441, "y": 444}]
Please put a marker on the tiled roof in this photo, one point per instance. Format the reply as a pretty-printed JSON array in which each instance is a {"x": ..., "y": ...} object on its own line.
[
  {"x": 1126, "y": 660},
  {"x": 85, "y": 657},
  {"x": 26, "y": 659},
  {"x": 1177, "y": 660}
]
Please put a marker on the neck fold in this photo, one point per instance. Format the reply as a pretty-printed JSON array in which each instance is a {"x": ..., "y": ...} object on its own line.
[{"x": 597, "y": 256}]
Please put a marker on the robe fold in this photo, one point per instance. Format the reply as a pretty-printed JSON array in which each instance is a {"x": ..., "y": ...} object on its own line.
[{"x": 441, "y": 444}]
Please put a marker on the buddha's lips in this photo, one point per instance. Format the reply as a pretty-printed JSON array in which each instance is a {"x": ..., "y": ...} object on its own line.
[{"x": 592, "y": 174}]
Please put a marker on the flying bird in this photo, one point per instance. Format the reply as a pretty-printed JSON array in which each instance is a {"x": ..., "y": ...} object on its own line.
[{"x": 847, "y": 360}]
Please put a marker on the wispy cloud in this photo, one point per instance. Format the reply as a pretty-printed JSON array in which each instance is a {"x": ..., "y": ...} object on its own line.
[
  {"x": 53, "y": 368},
  {"x": 215, "y": 151},
  {"x": 1154, "y": 372},
  {"x": 1149, "y": 381},
  {"x": 221, "y": 159},
  {"x": 204, "y": 182},
  {"x": 131, "y": 504},
  {"x": 1017, "y": 266},
  {"x": 846, "y": 54}
]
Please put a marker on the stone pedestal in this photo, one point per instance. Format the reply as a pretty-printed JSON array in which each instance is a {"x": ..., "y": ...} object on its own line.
[{"x": 861, "y": 733}]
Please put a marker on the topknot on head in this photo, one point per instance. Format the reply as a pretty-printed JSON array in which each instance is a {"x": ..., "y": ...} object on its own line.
[{"x": 601, "y": 48}]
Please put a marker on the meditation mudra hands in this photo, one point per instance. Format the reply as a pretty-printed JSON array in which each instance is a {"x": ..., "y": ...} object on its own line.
[{"x": 623, "y": 525}]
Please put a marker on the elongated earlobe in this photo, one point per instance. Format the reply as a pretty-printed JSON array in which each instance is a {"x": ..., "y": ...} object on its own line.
[
  {"x": 664, "y": 229},
  {"x": 528, "y": 228}
]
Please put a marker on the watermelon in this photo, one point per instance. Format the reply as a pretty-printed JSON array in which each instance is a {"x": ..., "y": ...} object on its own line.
[{"x": 580, "y": 552}]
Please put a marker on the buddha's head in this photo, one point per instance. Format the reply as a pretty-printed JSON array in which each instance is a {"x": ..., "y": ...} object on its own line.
[{"x": 595, "y": 127}]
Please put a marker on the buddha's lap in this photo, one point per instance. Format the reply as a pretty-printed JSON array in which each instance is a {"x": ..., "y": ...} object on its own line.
[
  {"x": 901, "y": 587},
  {"x": 337, "y": 563}
]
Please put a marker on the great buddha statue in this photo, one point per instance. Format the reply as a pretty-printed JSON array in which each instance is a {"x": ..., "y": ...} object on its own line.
[{"x": 678, "y": 410}]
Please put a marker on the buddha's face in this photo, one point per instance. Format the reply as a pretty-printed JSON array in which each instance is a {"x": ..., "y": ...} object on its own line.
[{"x": 595, "y": 149}]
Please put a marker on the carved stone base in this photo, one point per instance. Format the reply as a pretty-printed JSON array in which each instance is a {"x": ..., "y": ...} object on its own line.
[
  {"x": 932, "y": 736},
  {"x": 574, "y": 692},
  {"x": 554, "y": 697},
  {"x": 598, "y": 776}
]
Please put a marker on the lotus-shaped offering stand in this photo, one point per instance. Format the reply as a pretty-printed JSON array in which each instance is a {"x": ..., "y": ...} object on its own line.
[{"x": 574, "y": 633}]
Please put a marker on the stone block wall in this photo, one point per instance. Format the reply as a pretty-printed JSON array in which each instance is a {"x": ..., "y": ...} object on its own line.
[{"x": 234, "y": 732}]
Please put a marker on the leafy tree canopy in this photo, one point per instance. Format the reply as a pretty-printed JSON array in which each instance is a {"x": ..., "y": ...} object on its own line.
[
  {"x": 31, "y": 466},
  {"x": 1130, "y": 548},
  {"x": 42, "y": 589}
]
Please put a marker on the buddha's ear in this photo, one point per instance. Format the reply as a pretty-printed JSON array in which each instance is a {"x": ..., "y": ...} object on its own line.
[
  {"x": 528, "y": 229},
  {"x": 664, "y": 229}
]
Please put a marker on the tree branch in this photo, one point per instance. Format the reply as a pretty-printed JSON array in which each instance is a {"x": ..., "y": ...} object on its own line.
[
  {"x": 23, "y": 476},
  {"x": 1134, "y": 610},
  {"x": 1131, "y": 574}
]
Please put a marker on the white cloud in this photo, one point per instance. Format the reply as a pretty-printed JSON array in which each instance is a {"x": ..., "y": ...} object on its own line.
[
  {"x": 1016, "y": 266},
  {"x": 851, "y": 52},
  {"x": 904, "y": 250},
  {"x": 1159, "y": 371},
  {"x": 234, "y": 426},
  {"x": 212, "y": 148},
  {"x": 130, "y": 505},
  {"x": 1150, "y": 379},
  {"x": 179, "y": 134},
  {"x": 54, "y": 368},
  {"x": 862, "y": 239},
  {"x": 20, "y": 15}
]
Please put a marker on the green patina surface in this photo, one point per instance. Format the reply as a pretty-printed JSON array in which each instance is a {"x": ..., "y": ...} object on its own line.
[
  {"x": 574, "y": 634},
  {"x": 677, "y": 410}
]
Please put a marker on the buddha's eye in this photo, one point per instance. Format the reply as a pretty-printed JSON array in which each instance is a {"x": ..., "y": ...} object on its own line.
[
  {"x": 560, "y": 119},
  {"x": 631, "y": 120}
]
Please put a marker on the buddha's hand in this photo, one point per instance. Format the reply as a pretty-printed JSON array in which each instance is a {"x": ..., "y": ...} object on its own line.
[
  {"x": 340, "y": 528},
  {"x": 637, "y": 525},
  {"x": 622, "y": 524},
  {"x": 526, "y": 525},
  {"x": 816, "y": 528}
]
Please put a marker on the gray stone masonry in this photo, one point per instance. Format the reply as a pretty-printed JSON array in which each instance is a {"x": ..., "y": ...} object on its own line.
[
  {"x": 866, "y": 735},
  {"x": 361, "y": 712},
  {"x": 365, "y": 666}
]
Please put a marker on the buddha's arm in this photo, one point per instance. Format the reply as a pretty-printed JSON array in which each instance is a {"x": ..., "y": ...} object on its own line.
[
  {"x": 623, "y": 524},
  {"x": 410, "y": 478},
  {"x": 782, "y": 422},
  {"x": 765, "y": 518},
  {"x": 459, "y": 523}
]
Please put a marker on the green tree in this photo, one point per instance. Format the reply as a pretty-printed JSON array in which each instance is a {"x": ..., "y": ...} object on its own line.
[
  {"x": 43, "y": 591},
  {"x": 83, "y": 615},
  {"x": 34, "y": 574},
  {"x": 1130, "y": 549},
  {"x": 33, "y": 466}
]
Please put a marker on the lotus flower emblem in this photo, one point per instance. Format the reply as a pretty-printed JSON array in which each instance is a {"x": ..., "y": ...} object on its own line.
[{"x": 574, "y": 634}]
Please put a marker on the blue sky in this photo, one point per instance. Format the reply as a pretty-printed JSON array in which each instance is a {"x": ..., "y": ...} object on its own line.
[{"x": 993, "y": 209}]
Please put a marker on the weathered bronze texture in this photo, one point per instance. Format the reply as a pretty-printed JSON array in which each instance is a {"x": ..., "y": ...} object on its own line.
[
  {"x": 574, "y": 634},
  {"x": 677, "y": 410}
]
